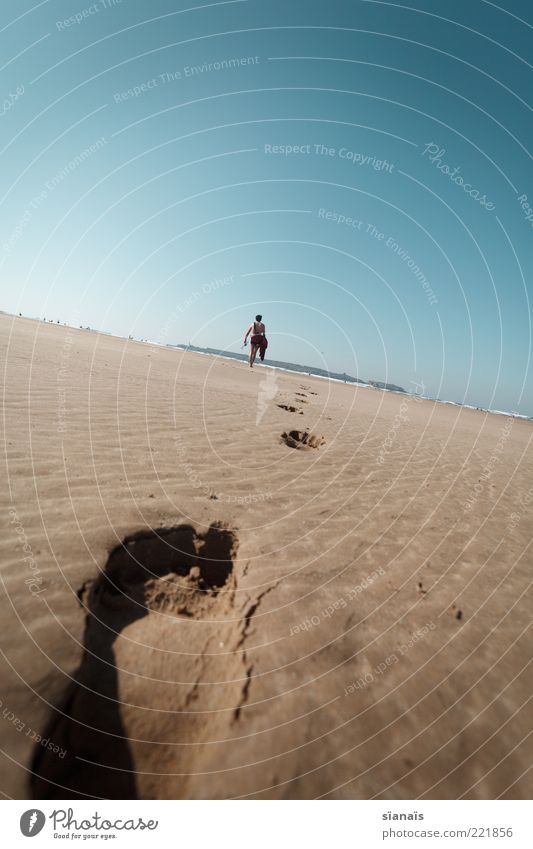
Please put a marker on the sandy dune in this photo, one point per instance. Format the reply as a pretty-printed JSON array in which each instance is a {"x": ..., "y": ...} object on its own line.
[{"x": 223, "y": 583}]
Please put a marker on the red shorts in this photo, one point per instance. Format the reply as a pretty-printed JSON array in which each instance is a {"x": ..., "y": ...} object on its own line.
[{"x": 260, "y": 342}]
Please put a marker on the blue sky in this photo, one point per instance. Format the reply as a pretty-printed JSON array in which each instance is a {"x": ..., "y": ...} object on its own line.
[{"x": 170, "y": 169}]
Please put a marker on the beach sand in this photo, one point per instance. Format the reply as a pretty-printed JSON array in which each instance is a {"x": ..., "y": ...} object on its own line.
[{"x": 195, "y": 607}]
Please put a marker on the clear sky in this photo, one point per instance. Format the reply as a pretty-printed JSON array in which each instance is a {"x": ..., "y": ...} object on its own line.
[{"x": 358, "y": 172}]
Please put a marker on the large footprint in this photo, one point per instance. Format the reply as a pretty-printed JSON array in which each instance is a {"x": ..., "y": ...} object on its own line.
[{"x": 135, "y": 696}]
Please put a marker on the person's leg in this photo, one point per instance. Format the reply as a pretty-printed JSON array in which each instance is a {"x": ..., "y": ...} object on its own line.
[{"x": 253, "y": 354}]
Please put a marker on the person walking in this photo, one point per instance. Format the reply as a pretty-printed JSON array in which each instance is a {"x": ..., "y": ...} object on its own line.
[{"x": 258, "y": 340}]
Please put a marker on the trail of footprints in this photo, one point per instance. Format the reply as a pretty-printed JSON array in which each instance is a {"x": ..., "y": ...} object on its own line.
[
  {"x": 172, "y": 572},
  {"x": 300, "y": 439}
]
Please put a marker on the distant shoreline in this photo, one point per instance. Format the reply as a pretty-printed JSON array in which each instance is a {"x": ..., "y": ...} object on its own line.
[
  {"x": 342, "y": 377},
  {"x": 293, "y": 368}
]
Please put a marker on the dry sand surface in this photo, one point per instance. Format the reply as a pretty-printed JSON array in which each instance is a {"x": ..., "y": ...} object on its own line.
[{"x": 194, "y": 607}]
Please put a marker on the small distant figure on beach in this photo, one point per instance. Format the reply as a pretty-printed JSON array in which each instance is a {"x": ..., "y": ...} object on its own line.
[{"x": 258, "y": 340}]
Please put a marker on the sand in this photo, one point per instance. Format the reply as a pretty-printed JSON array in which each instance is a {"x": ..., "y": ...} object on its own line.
[{"x": 194, "y": 606}]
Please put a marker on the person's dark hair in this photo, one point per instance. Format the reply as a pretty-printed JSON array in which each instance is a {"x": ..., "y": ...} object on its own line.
[{"x": 258, "y": 317}]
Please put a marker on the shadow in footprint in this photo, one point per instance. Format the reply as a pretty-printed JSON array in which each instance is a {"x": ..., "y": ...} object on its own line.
[
  {"x": 302, "y": 439},
  {"x": 173, "y": 569}
]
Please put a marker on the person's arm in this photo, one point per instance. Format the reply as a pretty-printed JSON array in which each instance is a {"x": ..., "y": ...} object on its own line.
[{"x": 248, "y": 333}]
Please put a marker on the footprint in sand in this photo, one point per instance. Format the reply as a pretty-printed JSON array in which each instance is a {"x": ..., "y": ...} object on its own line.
[
  {"x": 290, "y": 408},
  {"x": 181, "y": 574},
  {"x": 302, "y": 439}
]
